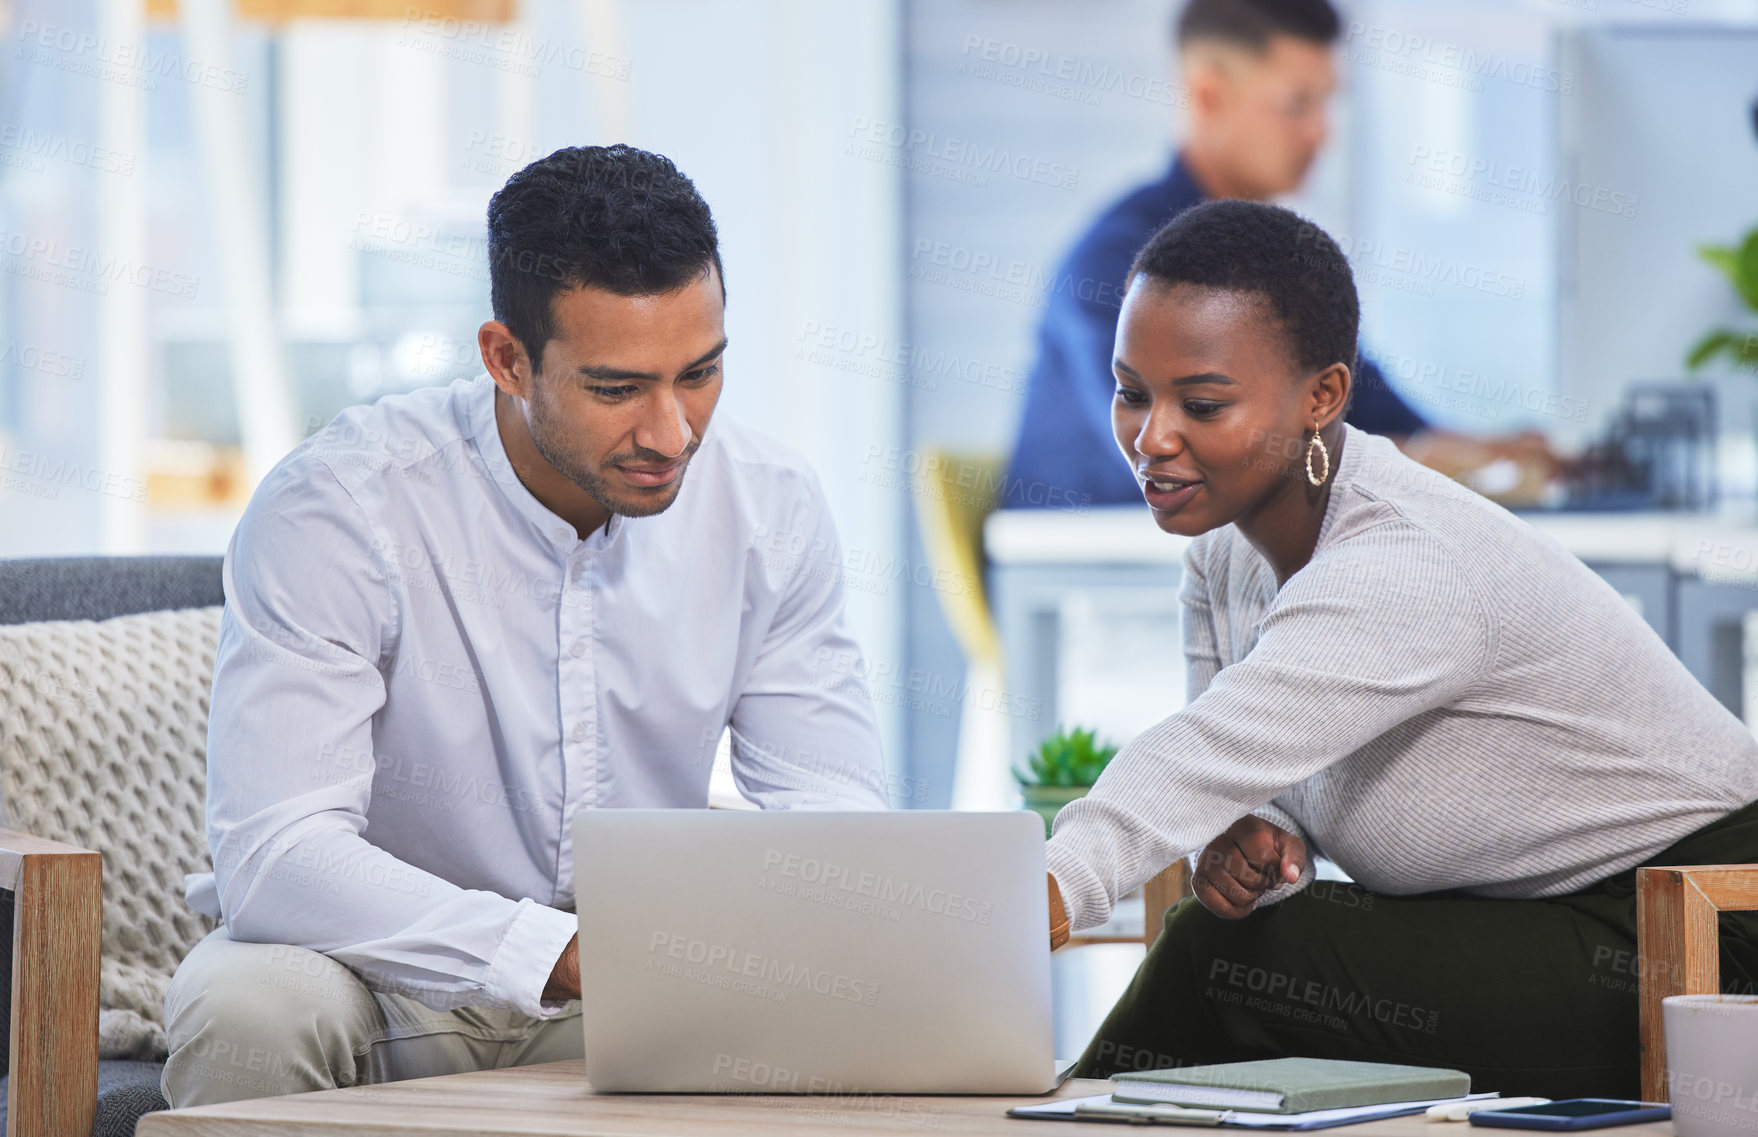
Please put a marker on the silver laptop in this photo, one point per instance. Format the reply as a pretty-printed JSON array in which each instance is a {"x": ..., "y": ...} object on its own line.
[{"x": 806, "y": 952}]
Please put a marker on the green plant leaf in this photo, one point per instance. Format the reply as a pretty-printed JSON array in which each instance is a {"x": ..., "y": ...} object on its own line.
[
  {"x": 1724, "y": 258},
  {"x": 1707, "y": 348},
  {"x": 1747, "y": 280},
  {"x": 1739, "y": 265},
  {"x": 1069, "y": 758}
]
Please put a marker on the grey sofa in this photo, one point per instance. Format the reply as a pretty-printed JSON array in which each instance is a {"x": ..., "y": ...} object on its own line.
[{"x": 97, "y": 588}]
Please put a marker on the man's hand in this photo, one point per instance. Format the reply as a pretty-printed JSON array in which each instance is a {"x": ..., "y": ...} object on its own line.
[
  {"x": 1058, "y": 916},
  {"x": 1251, "y": 858},
  {"x": 564, "y": 978}
]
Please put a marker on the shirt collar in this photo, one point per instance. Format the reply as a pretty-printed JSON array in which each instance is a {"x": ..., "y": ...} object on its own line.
[{"x": 486, "y": 436}]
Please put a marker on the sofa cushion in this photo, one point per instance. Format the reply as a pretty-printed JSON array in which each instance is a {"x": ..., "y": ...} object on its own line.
[
  {"x": 127, "y": 1091},
  {"x": 98, "y": 588},
  {"x": 103, "y": 744}
]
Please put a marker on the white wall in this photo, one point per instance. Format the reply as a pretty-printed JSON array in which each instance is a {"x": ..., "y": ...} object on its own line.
[
  {"x": 1635, "y": 296},
  {"x": 753, "y": 100}
]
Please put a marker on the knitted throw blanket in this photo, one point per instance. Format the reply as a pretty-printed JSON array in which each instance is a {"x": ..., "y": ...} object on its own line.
[{"x": 103, "y": 744}]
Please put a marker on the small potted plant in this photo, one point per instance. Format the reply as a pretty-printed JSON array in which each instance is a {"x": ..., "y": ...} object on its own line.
[
  {"x": 1064, "y": 767},
  {"x": 1739, "y": 263}
]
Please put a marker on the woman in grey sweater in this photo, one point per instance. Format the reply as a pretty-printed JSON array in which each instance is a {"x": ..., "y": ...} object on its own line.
[{"x": 1387, "y": 668}]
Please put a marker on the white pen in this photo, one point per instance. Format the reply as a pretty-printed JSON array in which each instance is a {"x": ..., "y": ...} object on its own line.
[{"x": 1460, "y": 1110}]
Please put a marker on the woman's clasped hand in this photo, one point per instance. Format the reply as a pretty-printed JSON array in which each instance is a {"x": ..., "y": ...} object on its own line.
[{"x": 1251, "y": 858}]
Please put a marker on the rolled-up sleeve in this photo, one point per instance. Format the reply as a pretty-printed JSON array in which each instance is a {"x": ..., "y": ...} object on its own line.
[
  {"x": 309, "y": 623},
  {"x": 1285, "y": 821},
  {"x": 803, "y": 730},
  {"x": 1373, "y": 632}
]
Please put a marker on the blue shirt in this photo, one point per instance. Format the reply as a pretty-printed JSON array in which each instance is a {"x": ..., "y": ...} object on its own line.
[{"x": 1066, "y": 450}]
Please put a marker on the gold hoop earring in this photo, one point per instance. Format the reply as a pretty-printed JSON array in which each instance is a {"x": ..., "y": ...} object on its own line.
[{"x": 1324, "y": 456}]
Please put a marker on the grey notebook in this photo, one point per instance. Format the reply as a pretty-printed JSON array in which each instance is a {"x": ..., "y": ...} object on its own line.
[{"x": 1290, "y": 1085}]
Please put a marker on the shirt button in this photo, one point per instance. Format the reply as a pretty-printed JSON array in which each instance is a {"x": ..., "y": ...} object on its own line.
[
  {"x": 579, "y": 734},
  {"x": 579, "y": 648},
  {"x": 564, "y": 534}
]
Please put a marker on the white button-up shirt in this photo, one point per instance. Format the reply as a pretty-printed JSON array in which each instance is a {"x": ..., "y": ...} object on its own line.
[{"x": 423, "y": 673}]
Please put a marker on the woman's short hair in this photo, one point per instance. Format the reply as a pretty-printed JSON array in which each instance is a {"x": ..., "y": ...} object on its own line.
[{"x": 1291, "y": 264}]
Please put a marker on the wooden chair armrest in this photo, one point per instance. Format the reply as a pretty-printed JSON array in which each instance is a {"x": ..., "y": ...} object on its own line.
[
  {"x": 16, "y": 845},
  {"x": 1677, "y": 946},
  {"x": 57, "y": 926},
  {"x": 1160, "y": 894}
]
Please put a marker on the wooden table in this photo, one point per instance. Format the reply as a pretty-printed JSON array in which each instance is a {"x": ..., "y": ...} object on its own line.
[{"x": 553, "y": 1100}]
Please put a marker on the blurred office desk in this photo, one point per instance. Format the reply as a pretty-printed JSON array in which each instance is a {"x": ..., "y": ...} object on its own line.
[{"x": 1692, "y": 576}]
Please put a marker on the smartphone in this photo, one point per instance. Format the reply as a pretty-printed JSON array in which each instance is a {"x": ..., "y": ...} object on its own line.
[{"x": 1575, "y": 1113}]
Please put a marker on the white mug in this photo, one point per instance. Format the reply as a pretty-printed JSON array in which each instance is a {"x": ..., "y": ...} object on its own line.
[{"x": 1712, "y": 1064}]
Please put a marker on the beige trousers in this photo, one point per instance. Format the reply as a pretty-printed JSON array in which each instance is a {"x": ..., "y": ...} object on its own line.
[{"x": 260, "y": 1020}]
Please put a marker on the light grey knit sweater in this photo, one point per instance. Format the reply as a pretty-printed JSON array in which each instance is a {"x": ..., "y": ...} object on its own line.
[{"x": 1442, "y": 698}]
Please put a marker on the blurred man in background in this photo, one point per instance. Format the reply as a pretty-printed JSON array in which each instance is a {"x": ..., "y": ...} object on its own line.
[{"x": 1258, "y": 75}]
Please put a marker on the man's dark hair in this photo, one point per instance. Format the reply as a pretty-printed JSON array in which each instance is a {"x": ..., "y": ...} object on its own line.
[
  {"x": 1252, "y": 23},
  {"x": 610, "y": 217},
  {"x": 1272, "y": 253}
]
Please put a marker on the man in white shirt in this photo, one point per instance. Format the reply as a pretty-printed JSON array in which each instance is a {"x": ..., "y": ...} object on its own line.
[{"x": 458, "y": 616}]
